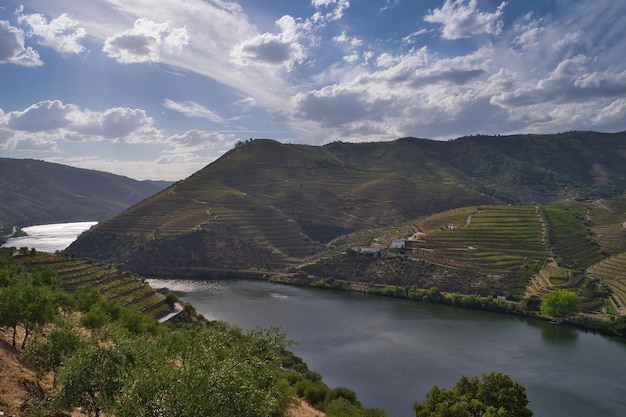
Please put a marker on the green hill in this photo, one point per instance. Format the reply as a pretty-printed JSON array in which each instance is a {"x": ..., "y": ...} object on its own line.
[{"x": 266, "y": 208}]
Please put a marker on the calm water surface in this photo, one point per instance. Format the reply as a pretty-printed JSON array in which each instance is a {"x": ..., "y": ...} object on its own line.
[
  {"x": 391, "y": 352},
  {"x": 50, "y": 237}
]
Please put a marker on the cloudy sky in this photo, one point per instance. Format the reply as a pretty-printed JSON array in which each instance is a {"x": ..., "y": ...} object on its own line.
[{"x": 159, "y": 89}]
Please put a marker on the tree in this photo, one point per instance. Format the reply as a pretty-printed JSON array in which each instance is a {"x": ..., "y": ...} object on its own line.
[
  {"x": 10, "y": 309},
  {"x": 24, "y": 304},
  {"x": 91, "y": 378},
  {"x": 44, "y": 354},
  {"x": 95, "y": 318},
  {"x": 493, "y": 395},
  {"x": 560, "y": 303},
  {"x": 206, "y": 373},
  {"x": 86, "y": 297},
  {"x": 40, "y": 306}
]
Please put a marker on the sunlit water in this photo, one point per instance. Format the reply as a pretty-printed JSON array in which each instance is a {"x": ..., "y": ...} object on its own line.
[
  {"x": 391, "y": 352},
  {"x": 50, "y": 237}
]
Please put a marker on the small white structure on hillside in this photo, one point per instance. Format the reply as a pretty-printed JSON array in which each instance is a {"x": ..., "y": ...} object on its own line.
[
  {"x": 368, "y": 249},
  {"x": 396, "y": 244}
]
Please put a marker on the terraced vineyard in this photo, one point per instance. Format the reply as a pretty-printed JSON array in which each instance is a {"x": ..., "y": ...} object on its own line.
[
  {"x": 112, "y": 283},
  {"x": 493, "y": 239},
  {"x": 612, "y": 272},
  {"x": 569, "y": 236},
  {"x": 173, "y": 214},
  {"x": 609, "y": 224}
]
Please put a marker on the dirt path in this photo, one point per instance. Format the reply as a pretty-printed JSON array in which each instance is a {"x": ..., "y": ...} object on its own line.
[{"x": 304, "y": 410}]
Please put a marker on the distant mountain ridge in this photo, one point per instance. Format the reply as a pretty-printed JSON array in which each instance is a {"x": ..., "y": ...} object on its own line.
[
  {"x": 268, "y": 206},
  {"x": 38, "y": 192}
]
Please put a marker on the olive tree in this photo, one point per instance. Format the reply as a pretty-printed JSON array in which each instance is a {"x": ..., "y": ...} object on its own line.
[
  {"x": 203, "y": 372},
  {"x": 48, "y": 353},
  {"x": 27, "y": 305},
  {"x": 91, "y": 378},
  {"x": 492, "y": 395}
]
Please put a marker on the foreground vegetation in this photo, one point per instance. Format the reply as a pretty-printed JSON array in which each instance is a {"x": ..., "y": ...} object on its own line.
[
  {"x": 91, "y": 355},
  {"x": 491, "y": 395},
  {"x": 107, "y": 359}
]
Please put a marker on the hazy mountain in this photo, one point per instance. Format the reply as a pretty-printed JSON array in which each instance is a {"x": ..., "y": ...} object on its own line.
[{"x": 38, "y": 192}]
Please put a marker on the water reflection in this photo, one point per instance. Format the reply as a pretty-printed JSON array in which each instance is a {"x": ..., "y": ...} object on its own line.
[
  {"x": 554, "y": 333},
  {"x": 49, "y": 237},
  {"x": 557, "y": 333}
]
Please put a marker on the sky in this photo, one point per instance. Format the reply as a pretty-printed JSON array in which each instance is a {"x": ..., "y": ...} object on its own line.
[{"x": 159, "y": 89}]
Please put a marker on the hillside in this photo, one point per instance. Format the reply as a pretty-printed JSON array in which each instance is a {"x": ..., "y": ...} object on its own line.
[
  {"x": 87, "y": 342},
  {"x": 292, "y": 210},
  {"x": 37, "y": 192}
]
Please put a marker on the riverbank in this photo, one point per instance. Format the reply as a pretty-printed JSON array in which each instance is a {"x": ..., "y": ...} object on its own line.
[
  {"x": 615, "y": 327},
  {"x": 528, "y": 308}
]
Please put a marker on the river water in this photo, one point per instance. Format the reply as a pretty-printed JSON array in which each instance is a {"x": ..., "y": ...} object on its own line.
[
  {"x": 49, "y": 237},
  {"x": 391, "y": 352}
]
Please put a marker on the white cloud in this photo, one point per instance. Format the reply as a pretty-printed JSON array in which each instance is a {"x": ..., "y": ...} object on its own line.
[
  {"x": 461, "y": 19},
  {"x": 42, "y": 116},
  {"x": 117, "y": 123},
  {"x": 178, "y": 158},
  {"x": 570, "y": 39},
  {"x": 169, "y": 167},
  {"x": 338, "y": 9},
  {"x": 344, "y": 38},
  {"x": 192, "y": 109},
  {"x": 272, "y": 49},
  {"x": 57, "y": 121},
  {"x": 245, "y": 103},
  {"x": 417, "y": 90},
  {"x": 334, "y": 106},
  {"x": 530, "y": 36},
  {"x": 322, "y": 3},
  {"x": 286, "y": 48},
  {"x": 12, "y": 48},
  {"x": 60, "y": 34},
  {"x": 352, "y": 58},
  {"x": 32, "y": 143},
  {"x": 350, "y": 45},
  {"x": 197, "y": 140},
  {"x": 614, "y": 113},
  {"x": 389, "y": 5},
  {"x": 145, "y": 41},
  {"x": 411, "y": 37},
  {"x": 571, "y": 80}
]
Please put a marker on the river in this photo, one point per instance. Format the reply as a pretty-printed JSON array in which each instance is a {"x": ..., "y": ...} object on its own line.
[
  {"x": 391, "y": 352},
  {"x": 49, "y": 237}
]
